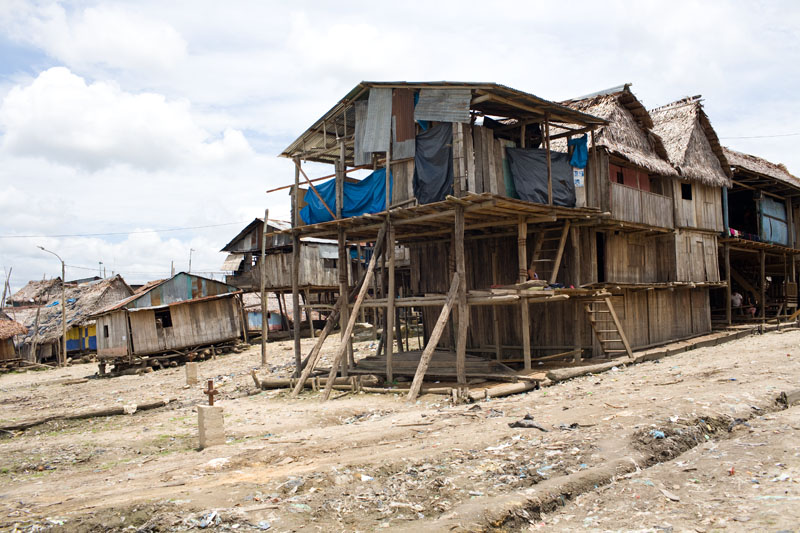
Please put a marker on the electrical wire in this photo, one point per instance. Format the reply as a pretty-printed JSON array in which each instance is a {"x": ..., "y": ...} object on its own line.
[
  {"x": 117, "y": 232},
  {"x": 764, "y": 136}
]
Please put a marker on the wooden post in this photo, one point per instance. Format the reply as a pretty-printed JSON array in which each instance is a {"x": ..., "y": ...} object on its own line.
[
  {"x": 359, "y": 274},
  {"x": 296, "y": 299},
  {"x": 348, "y": 329},
  {"x": 333, "y": 317},
  {"x": 463, "y": 310},
  {"x": 387, "y": 182},
  {"x": 595, "y": 176},
  {"x": 340, "y": 180},
  {"x": 728, "y": 313},
  {"x": 389, "y": 331},
  {"x": 763, "y": 303},
  {"x": 522, "y": 134},
  {"x": 307, "y": 302},
  {"x": 344, "y": 317},
  {"x": 264, "y": 311},
  {"x": 577, "y": 338},
  {"x": 436, "y": 334},
  {"x": 495, "y": 318},
  {"x": 549, "y": 163},
  {"x": 522, "y": 255},
  {"x": 296, "y": 194}
]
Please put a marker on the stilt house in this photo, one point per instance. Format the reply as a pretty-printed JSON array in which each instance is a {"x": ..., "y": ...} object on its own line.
[
  {"x": 521, "y": 253},
  {"x": 8, "y": 330},
  {"x": 184, "y": 311},
  {"x": 760, "y": 239}
]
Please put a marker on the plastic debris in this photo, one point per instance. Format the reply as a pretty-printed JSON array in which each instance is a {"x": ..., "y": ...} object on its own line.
[
  {"x": 263, "y": 525},
  {"x": 657, "y": 434},
  {"x": 526, "y": 422},
  {"x": 209, "y": 519}
]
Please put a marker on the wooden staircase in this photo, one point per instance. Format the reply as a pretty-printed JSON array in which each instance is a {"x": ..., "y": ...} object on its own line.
[
  {"x": 548, "y": 249},
  {"x": 607, "y": 328}
]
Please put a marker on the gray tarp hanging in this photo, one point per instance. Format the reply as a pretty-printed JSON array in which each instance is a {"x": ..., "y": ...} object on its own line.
[
  {"x": 361, "y": 156},
  {"x": 529, "y": 169},
  {"x": 378, "y": 130},
  {"x": 443, "y": 105},
  {"x": 433, "y": 164}
]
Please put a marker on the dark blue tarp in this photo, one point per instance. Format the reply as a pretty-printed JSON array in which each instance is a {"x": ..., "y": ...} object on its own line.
[
  {"x": 529, "y": 170},
  {"x": 581, "y": 153},
  {"x": 433, "y": 164},
  {"x": 365, "y": 196}
]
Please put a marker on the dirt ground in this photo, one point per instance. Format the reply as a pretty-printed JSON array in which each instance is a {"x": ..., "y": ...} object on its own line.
[{"x": 692, "y": 442}]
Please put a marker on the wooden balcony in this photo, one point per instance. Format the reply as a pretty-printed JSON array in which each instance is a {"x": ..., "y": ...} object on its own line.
[{"x": 641, "y": 207}]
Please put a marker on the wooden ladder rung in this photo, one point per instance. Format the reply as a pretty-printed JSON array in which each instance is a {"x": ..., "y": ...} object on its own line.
[
  {"x": 615, "y": 351},
  {"x": 607, "y": 331}
]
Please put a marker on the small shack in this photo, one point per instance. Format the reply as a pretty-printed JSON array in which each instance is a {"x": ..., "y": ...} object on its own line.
[
  {"x": 8, "y": 330},
  {"x": 82, "y": 302},
  {"x": 171, "y": 317}
]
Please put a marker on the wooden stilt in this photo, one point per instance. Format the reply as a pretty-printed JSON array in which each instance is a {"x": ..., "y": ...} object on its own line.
[
  {"x": 344, "y": 316},
  {"x": 522, "y": 255},
  {"x": 728, "y": 312},
  {"x": 307, "y": 303},
  {"x": 348, "y": 330},
  {"x": 436, "y": 334},
  {"x": 763, "y": 285},
  {"x": 495, "y": 318},
  {"x": 463, "y": 311},
  {"x": 296, "y": 300},
  {"x": 263, "y": 276},
  {"x": 549, "y": 163},
  {"x": 389, "y": 330},
  {"x": 313, "y": 357}
]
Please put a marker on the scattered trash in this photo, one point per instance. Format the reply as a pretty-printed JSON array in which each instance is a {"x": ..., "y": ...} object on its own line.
[
  {"x": 670, "y": 496},
  {"x": 263, "y": 525},
  {"x": 657, "y": 434},
  {"x": 732, "y": 471},
  {"x": 209, "y": 519},
  {"x": 526, "y": 422},
  {"x": 365, "y": 477},
  {"x": 475, "y": 493},
  {"x": 300, "y": 508}
]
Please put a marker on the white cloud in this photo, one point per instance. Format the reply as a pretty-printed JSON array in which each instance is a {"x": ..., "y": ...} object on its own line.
[
  {"x": 62, "y": 118},
  {"x": 112, "y": 36}
]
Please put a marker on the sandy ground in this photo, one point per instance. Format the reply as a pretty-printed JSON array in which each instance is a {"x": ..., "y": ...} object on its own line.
[{"x": 372, "y": 462}]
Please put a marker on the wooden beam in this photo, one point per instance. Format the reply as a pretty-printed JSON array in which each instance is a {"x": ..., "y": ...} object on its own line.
[
  {"x": 495, "y": 317},
  {"x": 390, "y": 298},
  {"x": 726, "y": 248},
  {"x": 313, "y": 357},
  {"x": 522, "y": 260},
  {"x": 344, "y": 316},
  {"x": 296, "y": 300},
  {"x": 463, "y": 310},
  {"x": 549, "y": 162},
  {"x": 303, "y": 172},
  {"x": 436, "y": 334},
  {"x": 560, "y": 253},
  {"x": 763, "y": 282},
  {"x": 263, "y": 276}
]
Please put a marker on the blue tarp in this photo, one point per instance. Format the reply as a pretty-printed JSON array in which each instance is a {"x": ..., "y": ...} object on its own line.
[
  {"x": 365, "y": 196},
  {"x": 581, "y": 153}
]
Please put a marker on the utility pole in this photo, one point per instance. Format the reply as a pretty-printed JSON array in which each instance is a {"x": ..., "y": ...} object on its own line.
[
  {"x": 100, "y": 269},
  {"x": 63, "y": 360},
  {"x": 190, "y": 259},
  {"x": 6, "y": 286},
  {"x": 171, "y": 268}
]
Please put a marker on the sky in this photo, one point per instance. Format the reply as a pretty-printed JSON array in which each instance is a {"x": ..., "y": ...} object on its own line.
[{"x": 128, "y": 118}]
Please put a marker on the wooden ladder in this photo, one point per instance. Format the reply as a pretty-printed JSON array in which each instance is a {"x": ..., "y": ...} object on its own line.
[
  {"x": 607, "y": 328},
  {"x": 548, "y": 249}
]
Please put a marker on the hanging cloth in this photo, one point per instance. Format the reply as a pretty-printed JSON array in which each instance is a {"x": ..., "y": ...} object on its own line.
[{"x": 580, "y": 155}]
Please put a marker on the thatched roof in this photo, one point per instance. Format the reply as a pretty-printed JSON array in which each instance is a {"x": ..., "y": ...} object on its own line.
[
  {"x": 35, "y": 292},
  {"x": 628, "y": 133},
  {"x": 9, "y": 328},
  {"x": 692, "y": 144},
  {"x": 82, "y": 301},
  {"x": 761, "y": 167}
]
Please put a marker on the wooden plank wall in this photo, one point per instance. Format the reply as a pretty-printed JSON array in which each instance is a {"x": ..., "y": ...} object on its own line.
[
  {"x": 697, "y": 256},
  {"x": 313, "y": 272},
  {"x": 639, "y": 258},
  {"x": 117, "y": 333},
  {"x": 703, "y": 211},
  {"x": 193, "y": 324},
  {"x": 485, "y": 168},
  {"x": 402, "y": 180}
]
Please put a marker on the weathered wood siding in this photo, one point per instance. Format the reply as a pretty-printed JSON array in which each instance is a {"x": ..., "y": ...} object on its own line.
[
  {"x": 180, "y": 288},
  {"x": 117, "y": 341},
  {"x": 314, "y": 271},
  {"x": 639, "y": 258},
  {"x": 7, "y": 350},
  {"x": 193, "y": 323},
  {"x": 641, "y": 207},
  {"x": 703, "y": 211},
  {"x": 697, "y": 256}
]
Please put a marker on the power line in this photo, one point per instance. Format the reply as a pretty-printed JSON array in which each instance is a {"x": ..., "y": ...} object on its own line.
[
  {"x": 117, "y": 232},
  {"x": 764, "y": 136}
]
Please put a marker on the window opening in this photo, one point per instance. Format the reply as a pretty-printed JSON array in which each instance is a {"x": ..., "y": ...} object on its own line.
[
  {"x": 686, "y": 191},
  {"x": 163, "y": 318}
]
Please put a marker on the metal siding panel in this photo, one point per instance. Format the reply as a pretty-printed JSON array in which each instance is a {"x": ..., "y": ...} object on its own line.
[
  {"x": 443, "y": 105},
  {"x": 377, "y": 131}
]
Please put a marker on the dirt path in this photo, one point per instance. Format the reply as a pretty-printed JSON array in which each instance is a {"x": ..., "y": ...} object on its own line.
[{"x": 367, "y": 462}]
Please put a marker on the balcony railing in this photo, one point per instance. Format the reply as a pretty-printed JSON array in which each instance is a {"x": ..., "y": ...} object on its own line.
[{"x": 641, "y": 207}]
